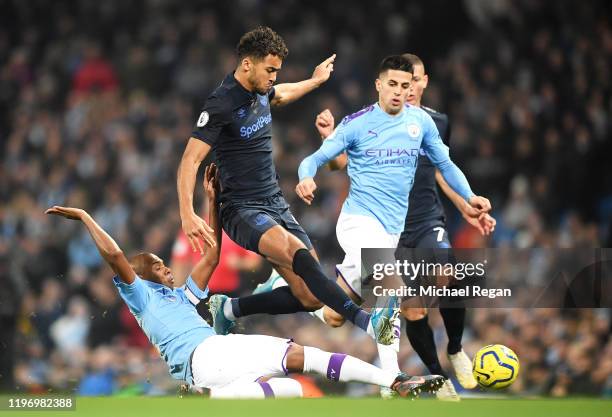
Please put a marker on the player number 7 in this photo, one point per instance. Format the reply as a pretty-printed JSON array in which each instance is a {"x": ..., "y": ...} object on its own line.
[{"x": 440, "y": 231}]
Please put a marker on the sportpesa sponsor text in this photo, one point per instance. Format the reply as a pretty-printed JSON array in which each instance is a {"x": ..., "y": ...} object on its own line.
[{"x": 262, "y": 121}]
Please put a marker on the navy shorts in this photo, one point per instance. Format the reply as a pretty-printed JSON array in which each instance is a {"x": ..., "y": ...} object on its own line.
[
  {"x": 245, "y": 222},
  {"x": 425, "y": 242},
  {"x": 427, "y": 235}
]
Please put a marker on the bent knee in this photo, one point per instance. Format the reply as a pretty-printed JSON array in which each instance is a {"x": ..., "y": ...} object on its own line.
[
  {"x": 335, "y": 322},
  {"x": 332, "y": 318},
  {"x": 414, "y": 313},
  {"x": 295, "y": 358}
]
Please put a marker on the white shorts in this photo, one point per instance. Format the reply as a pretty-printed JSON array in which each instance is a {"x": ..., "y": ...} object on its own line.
[
  {"x": 220, "y": 361},
  {"x": 355, "y": 232}
]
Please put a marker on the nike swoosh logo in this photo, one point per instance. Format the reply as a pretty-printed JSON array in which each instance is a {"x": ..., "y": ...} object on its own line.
[{"x": 373, "y": 133}]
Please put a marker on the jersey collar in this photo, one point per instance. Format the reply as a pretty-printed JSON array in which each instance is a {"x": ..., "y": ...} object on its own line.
[
  {"x": 241, "y": 93},
  {"x": 390, "y": 116},
  {"x": 155, "y": 286}
]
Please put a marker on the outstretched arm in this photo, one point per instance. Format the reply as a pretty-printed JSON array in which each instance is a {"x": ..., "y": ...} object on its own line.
[
  {"x": 481, "y": 221},
  {"x": 193, "y": 226},
  {"x": 206, "y": 266},
  {"x": 330, "y": 148},
  {"x": 108, "y": 248},
  {"x": 325, "y": 125},
  {"x": 289, "y": 92}
]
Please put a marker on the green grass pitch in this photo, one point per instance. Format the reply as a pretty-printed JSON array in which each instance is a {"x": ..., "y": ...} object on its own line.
[{"x": 337, "y": 407}]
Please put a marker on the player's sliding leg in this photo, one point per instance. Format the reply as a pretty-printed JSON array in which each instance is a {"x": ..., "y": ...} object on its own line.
[
  {"x": 239, "y": 360},
  {"x": 346, "y": 368},
  {"x": 386, "y": 353},
  {"x": 271, "y": 388},
  {"x": 454, "y": 322},
  {"x": 280, "y": 299},
  {"x": 225, "y": 310},
  {"x": 325, "y": 314}
]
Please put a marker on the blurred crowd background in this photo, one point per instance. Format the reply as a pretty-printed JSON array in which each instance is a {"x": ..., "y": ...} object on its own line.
[{"x": 98, "y": 99}]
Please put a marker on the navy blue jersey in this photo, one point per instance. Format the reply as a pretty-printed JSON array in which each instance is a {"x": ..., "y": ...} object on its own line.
[
  {"x": 424, "y": 203},
  {"x": 237, "y": 124}
]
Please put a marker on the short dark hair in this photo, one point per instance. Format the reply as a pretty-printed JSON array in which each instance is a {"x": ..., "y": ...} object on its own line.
[
  {"x": 261, "y": 42},
  {"x": 414, "y": 60},
  {"x": 395, "y": 62}
]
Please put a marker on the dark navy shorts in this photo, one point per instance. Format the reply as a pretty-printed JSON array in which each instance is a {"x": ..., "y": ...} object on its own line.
[
  {"x": 427, "y": 241},
  {"x": 431, "y": 234},
  {"x": 245, "y": 222}
]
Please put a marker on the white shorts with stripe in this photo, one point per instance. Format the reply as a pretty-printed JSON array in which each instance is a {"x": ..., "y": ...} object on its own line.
[
  {"x": 355, "y": 232},
  {"x": 221, "y": 361}
]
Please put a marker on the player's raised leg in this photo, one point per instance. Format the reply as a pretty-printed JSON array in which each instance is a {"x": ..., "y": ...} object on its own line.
[{"x": 284, "y": 249}]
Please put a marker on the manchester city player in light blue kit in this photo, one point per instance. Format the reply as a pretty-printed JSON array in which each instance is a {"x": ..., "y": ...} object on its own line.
[
  {"x": 231, "y": 366},
  {"x": 382, "y": 142}
]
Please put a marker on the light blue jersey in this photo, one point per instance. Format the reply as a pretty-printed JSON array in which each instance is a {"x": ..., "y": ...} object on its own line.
[
  {"x": 169, "y": 319},
  {"x": 383, "y": 152}
]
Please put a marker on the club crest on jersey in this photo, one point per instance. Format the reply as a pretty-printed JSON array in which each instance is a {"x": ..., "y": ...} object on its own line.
[
  {"x": 263, "y": 100},
  {"x": 203, "y": 119},
  {"x": 414, "y": 130}
]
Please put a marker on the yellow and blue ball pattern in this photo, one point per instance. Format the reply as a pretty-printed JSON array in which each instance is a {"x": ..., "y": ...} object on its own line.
[{"x": 495, "y": 366}]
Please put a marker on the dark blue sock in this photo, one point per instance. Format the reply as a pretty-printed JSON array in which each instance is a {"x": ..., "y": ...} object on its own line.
[
  {"x": 454, "y": 321},
  {"x": 236, "y": 307},
  {"x": 422, "y": 340},
  {"x": 326, "y": 290},
  {"x": 362, "y": 319},
  {"x": 278, "y": 301}
]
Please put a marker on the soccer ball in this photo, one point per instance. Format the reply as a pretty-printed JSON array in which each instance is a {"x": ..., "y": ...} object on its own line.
[{"x": 495, "y": 366}]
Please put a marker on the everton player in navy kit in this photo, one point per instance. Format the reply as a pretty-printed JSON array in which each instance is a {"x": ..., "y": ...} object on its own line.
[{"x": 236, "y": 123}]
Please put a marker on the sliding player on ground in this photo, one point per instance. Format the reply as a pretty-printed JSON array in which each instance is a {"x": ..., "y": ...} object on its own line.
[{"x": 232, "y": 366}]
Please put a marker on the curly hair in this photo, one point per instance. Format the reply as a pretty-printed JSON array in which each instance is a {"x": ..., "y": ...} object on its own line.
[{"x": 261, "y": 42}]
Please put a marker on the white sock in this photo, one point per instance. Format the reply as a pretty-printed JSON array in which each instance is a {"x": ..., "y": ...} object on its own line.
[
  {"x": 388, "y": 358},
  {"x": 370, "y": 330},
  {"x": 340, "y": 367},
  {"x": 227, "y": 310},
  {"x": 240, "y": 390},
  {"x": 318, "y": 314},
  {"x": 388, "y": 353},
  {"x": 285, "y": 387},
  {"x": 272, "y": 388}
]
